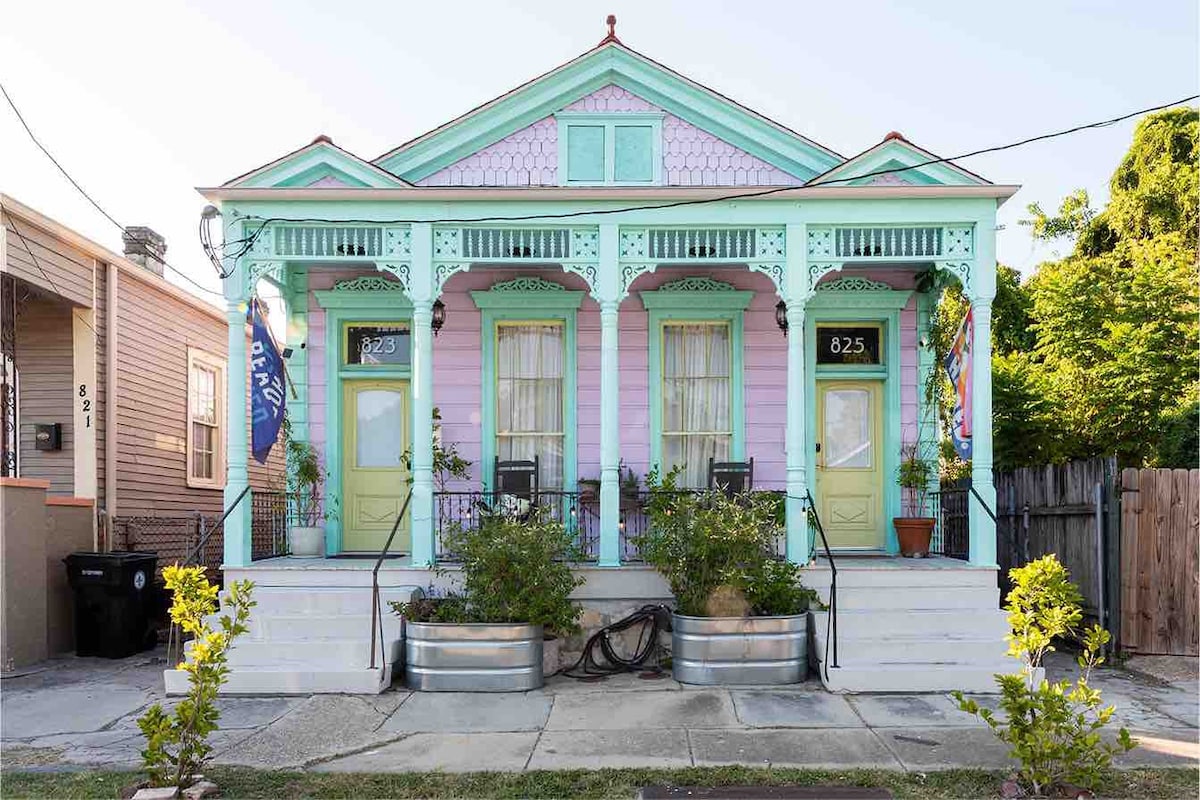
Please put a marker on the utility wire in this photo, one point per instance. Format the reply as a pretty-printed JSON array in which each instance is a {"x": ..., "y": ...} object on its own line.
[
  {"x": 37, "y": 263},
  {"x": 33, "y": 137}
]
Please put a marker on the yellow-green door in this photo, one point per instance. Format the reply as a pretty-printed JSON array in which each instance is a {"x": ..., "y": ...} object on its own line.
[
  {"x": 374, "y": 481},
  {"x": 850, "y": 463}
]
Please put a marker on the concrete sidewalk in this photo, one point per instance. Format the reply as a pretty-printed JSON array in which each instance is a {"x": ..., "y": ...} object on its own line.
[{"x": 82, "y": 712}]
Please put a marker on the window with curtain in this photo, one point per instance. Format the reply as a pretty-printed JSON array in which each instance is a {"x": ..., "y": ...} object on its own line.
[
  {"x": 529, "y": 396},
  {"x": 696, "y": 397},
  {"x": 206, "y": 375}
]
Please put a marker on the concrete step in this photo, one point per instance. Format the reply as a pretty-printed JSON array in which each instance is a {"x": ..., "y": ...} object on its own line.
[
  {"x": 324, "y": 600},
  {"x": 931, "y": 623},
  {"x": 315, "y": 627},
  {"x": 288, "y": 681},
  {"x": 308, "y": 573},
  {"x": 902, "y": 575},
  {"x": 914, "y": 650},
  {"x": 329, "y": 654},
  {"x": 852, "y": 598},
  {"x": 970, "y": 678}
]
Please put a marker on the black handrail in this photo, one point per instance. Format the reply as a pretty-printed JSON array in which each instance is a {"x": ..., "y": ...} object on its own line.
[
  {"x": 376, "y": 611},
  {"x": 816, "y": 518},
  {"x": 221, "y": 521},
  {"x": 987, "y": 509}
]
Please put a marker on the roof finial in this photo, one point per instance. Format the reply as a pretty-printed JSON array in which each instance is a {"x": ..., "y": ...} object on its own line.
[{"x": 611, "y": 21}]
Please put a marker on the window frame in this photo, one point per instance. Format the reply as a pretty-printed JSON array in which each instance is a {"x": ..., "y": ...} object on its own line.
[
  {"x": 687, "y": 306},
  {"x": 610, "y": 122},
  {"x": 218, "y": 365},
  {"x": 663, "y": 433},
  {"x": 497, "y": 326}
]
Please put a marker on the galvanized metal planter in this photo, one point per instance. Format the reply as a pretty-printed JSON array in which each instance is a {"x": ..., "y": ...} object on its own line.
[
  {"x": 733, "y": 650},
  {"x": 443, "y": 657}
]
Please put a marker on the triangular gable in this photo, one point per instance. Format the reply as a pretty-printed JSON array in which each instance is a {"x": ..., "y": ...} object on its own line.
[
  {"x": 320, "y": 164},
  {"x": 609, "y": 64},
  {"x": 869, "y": 168}
]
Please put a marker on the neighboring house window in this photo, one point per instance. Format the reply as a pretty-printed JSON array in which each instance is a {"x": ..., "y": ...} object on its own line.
[
  {"x": 697, "y": 397},
  {"x": 613, "y": 149},
  {"x": 530, "y": 396},
  {"x": 205, "y": 435}
]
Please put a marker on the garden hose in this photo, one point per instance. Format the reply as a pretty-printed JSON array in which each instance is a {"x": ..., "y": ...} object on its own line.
[{"x": 654, "y": 619}]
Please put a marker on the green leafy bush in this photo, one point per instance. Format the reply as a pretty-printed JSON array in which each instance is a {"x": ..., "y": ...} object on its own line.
[
  {"x": 513, "y": 570},
  {"x": 700, "y": 541},
  {"x": 177, "y": 745},
  {"x": 1053, "y": 729}
]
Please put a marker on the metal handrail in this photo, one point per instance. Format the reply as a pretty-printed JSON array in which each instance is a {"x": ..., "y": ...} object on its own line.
[
  {"x": 816, "y": 518},
  {"x": 376, "y": 610},
  {"x": 987, "y": 509},
  {"x": 221, "y": 521}
]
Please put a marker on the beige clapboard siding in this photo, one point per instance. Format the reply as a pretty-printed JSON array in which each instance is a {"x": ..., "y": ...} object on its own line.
[
  {"x": 54, "y": 265},
  {"x": 44, "y": 360}
]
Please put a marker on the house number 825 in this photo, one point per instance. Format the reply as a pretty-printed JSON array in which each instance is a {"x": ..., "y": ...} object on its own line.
[{"x": 847, "y": 344}]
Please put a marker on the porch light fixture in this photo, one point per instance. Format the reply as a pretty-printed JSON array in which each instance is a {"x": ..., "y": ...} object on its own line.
[
  {"x": 439, "y": 316},
  {"x": 781, "y": 316}
]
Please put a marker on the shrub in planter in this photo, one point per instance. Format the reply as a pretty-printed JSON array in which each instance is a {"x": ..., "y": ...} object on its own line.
[
  {"x": 305, "y": 480},
  {"x": 1053, "y": 728},
  {"x": 717, "y": 554},
  {"x": 914, "y": 530},
  {"x": 515, "y": 576}
]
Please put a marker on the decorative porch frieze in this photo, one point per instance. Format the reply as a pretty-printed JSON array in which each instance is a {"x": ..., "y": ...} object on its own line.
[
  {"x": 528, "y": 283},
  {"x": 368, "y": 283},
  {"x": 889, "y": 243},
  {"x": 402, "y": 271},
  {"x": 696, "y": 283},
  {"x": 631, "y": 272},
  {"x": 854, "y": 283},
  {"x": 960, "y": 270},
  {"x": 763, "y": 250},
  {"x": 444, "y": 271},
  {"x": 573, "y": 249},
  {"x": 818, "y": 271},
  {"x": 388, "y": 246}
]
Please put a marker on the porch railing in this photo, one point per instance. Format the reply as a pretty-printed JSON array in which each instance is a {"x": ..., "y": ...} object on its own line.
[
  {"x": 951, "y": 504},
  {"x": 580, "y": 514},
  {"x": 270, "y": 515},
  {"x": 635, "y": 522}
]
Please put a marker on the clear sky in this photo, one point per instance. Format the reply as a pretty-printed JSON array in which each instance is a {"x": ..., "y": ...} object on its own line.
[{"x": 142, "y": 101}]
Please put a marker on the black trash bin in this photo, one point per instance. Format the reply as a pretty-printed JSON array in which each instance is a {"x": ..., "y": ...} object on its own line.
[{"x": 113, "y": 595}]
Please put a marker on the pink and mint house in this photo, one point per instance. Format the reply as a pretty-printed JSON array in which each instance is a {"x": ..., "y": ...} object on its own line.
[{"x": 608, "y": 269}]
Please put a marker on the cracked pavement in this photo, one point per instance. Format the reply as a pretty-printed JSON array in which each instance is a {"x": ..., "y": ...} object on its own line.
[{"x": 80, "y": 713}]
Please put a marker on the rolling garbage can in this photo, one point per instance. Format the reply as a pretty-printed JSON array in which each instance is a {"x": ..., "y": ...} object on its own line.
[{"x": 112, "y": 602}]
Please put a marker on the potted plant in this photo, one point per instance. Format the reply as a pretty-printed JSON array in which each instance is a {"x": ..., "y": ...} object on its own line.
[
  {"x": 629, "y": 481},
  {"x": 487, "y": 635},
  {"x": 305, "y": 479},
  {"x": 915, "y": 529},
  {"x": 741, "y": 612}
]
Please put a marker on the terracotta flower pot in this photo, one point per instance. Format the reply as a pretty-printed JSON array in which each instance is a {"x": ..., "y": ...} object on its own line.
[{"x": 914, "y": 534}]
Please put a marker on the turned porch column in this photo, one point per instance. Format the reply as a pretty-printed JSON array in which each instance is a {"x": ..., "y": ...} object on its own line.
[
  {"x": 236, "y": 529},
  {"x": 424, "y": 551},
  {"x": 983, "y": 289},
  {"x": 796, "y": 291},
  {"x": 609, "y": 296}
]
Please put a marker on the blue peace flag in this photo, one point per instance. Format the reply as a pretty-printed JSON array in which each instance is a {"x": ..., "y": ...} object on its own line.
[{"x": 268, "y": 399}]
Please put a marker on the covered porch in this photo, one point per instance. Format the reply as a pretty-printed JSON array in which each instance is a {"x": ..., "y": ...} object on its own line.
[{"x": 612, "y": 287}]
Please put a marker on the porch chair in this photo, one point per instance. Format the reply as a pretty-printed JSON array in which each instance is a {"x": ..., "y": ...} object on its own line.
[
  {"x": 515, "y": 487},
  {"x": 731, "y": 477}
]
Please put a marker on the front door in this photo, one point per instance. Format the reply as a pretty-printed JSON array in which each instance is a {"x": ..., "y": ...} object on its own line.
[
  {"x": 374, "y": 480},
  {"x": 849, "y": 463}
]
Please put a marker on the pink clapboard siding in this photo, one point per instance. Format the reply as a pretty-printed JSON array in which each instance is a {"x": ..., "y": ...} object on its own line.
[
  {"x": 691, "y": 156},
  {"x": 458, "y": 369}
]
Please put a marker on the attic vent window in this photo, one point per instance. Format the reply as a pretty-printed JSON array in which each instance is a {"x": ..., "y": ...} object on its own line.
[{"x": 623, "y": 149}]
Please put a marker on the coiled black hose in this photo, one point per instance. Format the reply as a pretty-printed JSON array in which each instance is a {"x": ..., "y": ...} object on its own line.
[{"x": 654, "y": 619}]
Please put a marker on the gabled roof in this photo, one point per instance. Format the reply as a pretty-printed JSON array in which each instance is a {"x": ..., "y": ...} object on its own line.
[
  {"x": 321, "y": 161},
  {"x": 610, "y": 62},
  {"x": 897, "y": 153}
]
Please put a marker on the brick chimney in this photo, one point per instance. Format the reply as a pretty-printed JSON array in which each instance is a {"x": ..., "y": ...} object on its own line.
[{"x": 146, "y": 247}]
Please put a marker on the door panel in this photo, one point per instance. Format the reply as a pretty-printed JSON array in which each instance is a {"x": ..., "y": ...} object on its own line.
[
  {"x": 375, "y": 435},
  {"x": 849, "y": 463}
]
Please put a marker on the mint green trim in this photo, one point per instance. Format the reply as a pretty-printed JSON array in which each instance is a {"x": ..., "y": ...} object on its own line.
[
  {"x": 502, "y": 304},
  {"x": 295, "y": 295},
  {"x": 666, "y": 305},
  {"x": 896, "y": 152},
  {"x": 596, "y": 69},
  {"x": 872, "y": 299},
  {"x": 289, "y": 170},
  {"x": 911, "y": 176},
  {"x": 609, "y": 122},
  {"x": 829, "y": 312},
  {"x": 318, "y": 172},
  {"x": 340, "y": 308}
]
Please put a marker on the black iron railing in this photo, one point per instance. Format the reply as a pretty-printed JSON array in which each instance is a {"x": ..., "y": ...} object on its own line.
[
  {"x": 270, "y": 514},
  {"x": 951, "y": 505},
  {"x": 831, "y": 627},
  {"x": 579, "y": 513},
  {"x": 376, "y": 607},
  {"x": 635, "y": 520}
]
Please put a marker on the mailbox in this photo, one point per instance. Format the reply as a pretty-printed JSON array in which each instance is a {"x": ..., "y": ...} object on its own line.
[{"x": 47, "y": 436}]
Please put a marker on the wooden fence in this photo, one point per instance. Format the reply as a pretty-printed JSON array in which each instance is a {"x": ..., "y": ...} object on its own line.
[
  {"x": 1160, "y": 538},
  {"x": 1130, "y": 540}
]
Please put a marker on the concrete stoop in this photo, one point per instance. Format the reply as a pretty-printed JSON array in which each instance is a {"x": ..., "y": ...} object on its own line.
[
  {"x": 910, "y": 627},
  {"x": 311, "y": 639}
]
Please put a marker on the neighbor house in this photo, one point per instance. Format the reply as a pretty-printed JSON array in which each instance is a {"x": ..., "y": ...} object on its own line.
[
  {"x": 114, "y": 384},
  {"x": 607, "y": 270}
]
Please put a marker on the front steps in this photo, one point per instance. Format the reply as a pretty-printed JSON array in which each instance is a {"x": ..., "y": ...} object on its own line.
[
  {"x": 910, "y": 625},
  {"x": 310, "y": 632}
]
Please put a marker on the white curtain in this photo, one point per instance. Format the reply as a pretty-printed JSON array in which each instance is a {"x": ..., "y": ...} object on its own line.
[
  {"x": 697, "y": 392},
  {"x": 529, "y": 397}
]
